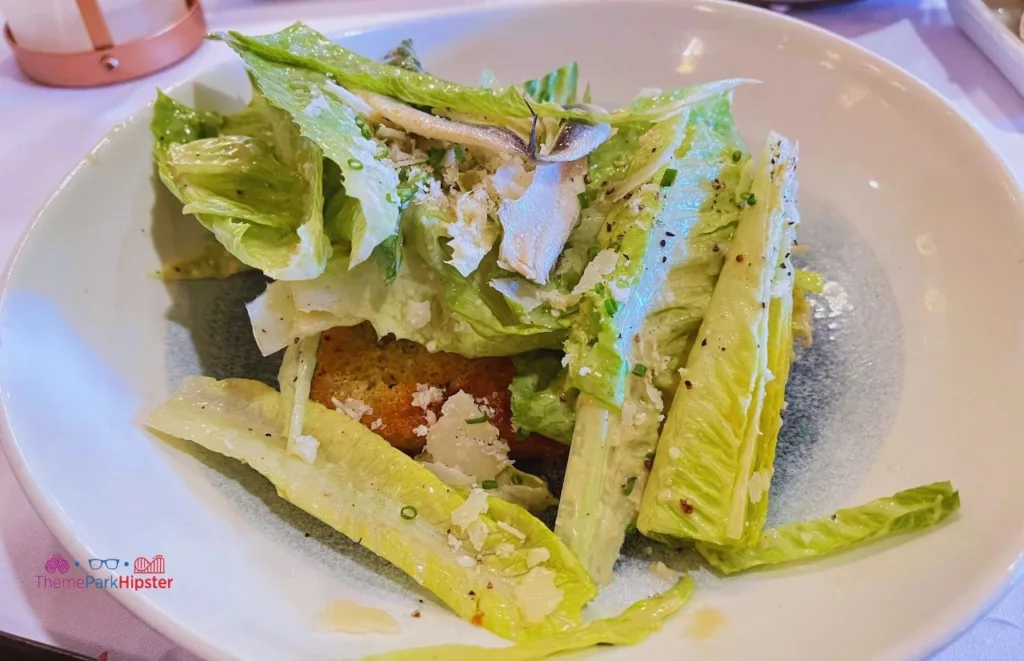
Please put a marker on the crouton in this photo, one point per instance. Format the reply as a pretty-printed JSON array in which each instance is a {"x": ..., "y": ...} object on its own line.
[{"x": 352, "y": 364}]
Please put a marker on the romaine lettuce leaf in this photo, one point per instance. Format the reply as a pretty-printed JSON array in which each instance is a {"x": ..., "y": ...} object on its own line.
[
  {"x": 559, "y": 86},
  {"x": 809, "y": 281},
  {"x": 251, "y": 179},
  {"x": 404, "y": 56},
  {"x": 700, "y": 485},
  {"x": 466, "y": 316},
  {"x": 780, "y": 356},
  {"x": 511, "y": 484},
  {"x": 329, "y": 116},
  {"x": 613, "y": 440},
  {"x": 294, "y": 380},
  {"x": 906, "y": 511},
  {"x": 541, "y": 401},
  {"x": 301, "y": 46},
  {"x": 373, "y": 493},
  {"x": 631, "y": 627},
  {"x": 598, "y": 343}
]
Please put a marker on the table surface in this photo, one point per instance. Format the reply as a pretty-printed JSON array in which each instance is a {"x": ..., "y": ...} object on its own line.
[{"x": 45, "y": 132}]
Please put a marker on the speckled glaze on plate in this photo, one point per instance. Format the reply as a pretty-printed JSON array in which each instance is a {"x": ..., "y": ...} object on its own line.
[{"x": 914, "y": 376}]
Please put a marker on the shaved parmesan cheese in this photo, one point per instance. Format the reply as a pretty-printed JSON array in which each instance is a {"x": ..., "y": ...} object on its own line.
[
  {"x": 473, "y": 233},
  {"x": 470, "y": 511},
  {"x": 660, "y": 570},
  {"x": 474, "y": 448},
  {"x": 537, "y": 556},
  {"x": 504, "y": 550},
  {"x": 426, "y": 395},
  {"x": 417, "y": 313},
  {"x": 511, "y": 530},
  {"x": 537, "y": 595},
  {"x": 477, "y": 533},
  {"x": 353, "y": 408},
  {"x": 596, "y": 271},
  {"x": 305, "y": 447}
]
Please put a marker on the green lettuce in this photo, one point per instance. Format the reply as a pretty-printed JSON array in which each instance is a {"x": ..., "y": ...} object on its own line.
[
  {"x": 614, "y": 439},
  {"x": 597, "y": 345},
  {"x": 251, "y": 179},
  {"x": 294, "y": 379},
  {"x": 541, "y": 401},
  {"x": 780, "y": 355},
  {"x": 329, "y": 116},
  {"x": 906, "y": 511},
  {"x": 701, "y": 482},
  {"x": 301, "y": 46},
  {"x": 631, "y": 627},
  {"x": 461, "y": 549},
  {"x": 428, "y": 302},
  {"x": 511, "y": 484},
  {"x": 404, "y": 56},
  {"x": 559, "y": 86}
]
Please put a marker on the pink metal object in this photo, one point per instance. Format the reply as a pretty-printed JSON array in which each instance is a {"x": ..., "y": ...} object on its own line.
[{"x": 108, "y": 62}]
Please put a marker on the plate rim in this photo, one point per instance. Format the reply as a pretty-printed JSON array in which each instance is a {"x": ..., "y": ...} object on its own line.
[{"x": 338, "y": 26}]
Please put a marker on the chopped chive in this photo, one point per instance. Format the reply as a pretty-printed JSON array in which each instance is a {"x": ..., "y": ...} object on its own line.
[
  {"x": 435, "y": 155},
  {"x": 599, "y": 288},
  {"x": 363, "y": 127},
  {"x": 669, "y": 177},
  {"x": 476, "y": 421},
  {"x": 517, "y": 479},
  {"x": 460, "y": 153},
  {"x": 736, "y": 156},
  {"x": 408, "y": 512},
  {"x": 354, "y": 164},
  {"x": 627, "y": 486},
  {"x": 639, "y": 369},
  {"x": 610, "y": 306},
  {"x": 489, "y": 484},
  {"x": 649, "y": 460},
  {"x": 391, "y": 197},
  {"x": 522, "y": 433},
  {"x": 751, "y": 199},
  {"x": 630, "y": 529},
  {"x": 592, "y": 251}
]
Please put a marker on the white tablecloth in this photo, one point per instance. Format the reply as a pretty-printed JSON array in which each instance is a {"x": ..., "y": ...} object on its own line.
[{"x": 44, "y": 132}]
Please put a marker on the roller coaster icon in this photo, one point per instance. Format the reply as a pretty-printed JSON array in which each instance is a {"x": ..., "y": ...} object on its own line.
[{"x": 144, "y": 565}]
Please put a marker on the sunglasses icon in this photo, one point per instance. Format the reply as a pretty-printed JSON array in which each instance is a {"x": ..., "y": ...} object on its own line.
[{"x": 99, "y": 563}]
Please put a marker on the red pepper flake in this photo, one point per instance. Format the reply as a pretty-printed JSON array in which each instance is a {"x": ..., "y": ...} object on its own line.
[
  {"x": 714, "y": 248},
  {"x": 477, "y": 619},
  {"x": 739, "y": 258},
  {"x": 688, "y": 384},
  {"x": 416, "y": 613},
  {"x": 686, "y": 506},
  {"x": 490, "y": 586}
]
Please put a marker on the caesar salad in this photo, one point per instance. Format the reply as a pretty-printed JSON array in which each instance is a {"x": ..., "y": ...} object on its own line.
[{"x": 501, "y": 302}]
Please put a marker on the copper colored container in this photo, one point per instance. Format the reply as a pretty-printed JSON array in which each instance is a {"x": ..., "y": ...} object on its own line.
[{"x": 110, "y": 62}]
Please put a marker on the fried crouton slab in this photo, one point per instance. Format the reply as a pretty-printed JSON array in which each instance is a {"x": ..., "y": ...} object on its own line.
[{"x": 383, "y": 374}]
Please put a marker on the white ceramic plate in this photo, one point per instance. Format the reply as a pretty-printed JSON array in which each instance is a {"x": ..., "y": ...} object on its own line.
[{"x": 915, "y": 376}]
